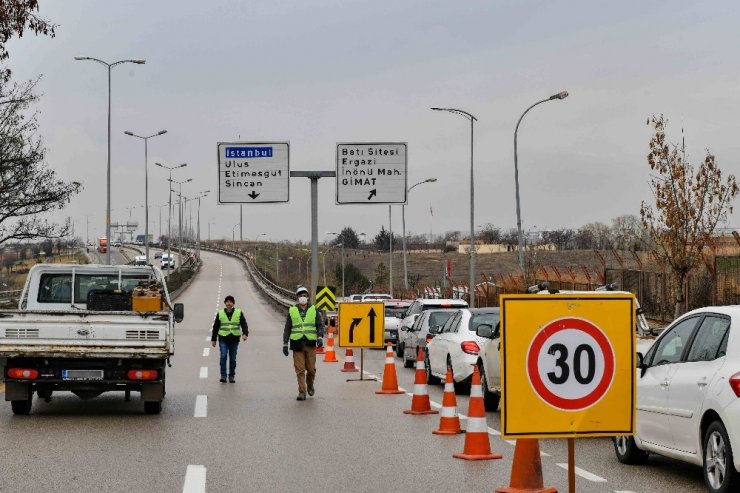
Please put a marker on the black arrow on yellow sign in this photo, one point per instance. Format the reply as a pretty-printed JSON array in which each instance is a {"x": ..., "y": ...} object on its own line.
[
  {"x": 325, "y": 299},
  {"x": 352, "y": 327},
  {"x": 371, "y": 316}
]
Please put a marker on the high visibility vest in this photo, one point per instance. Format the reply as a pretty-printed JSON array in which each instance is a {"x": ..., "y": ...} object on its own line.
[
  {"x": 303, "y": 327},
  {"x": 230, "y": 326}
]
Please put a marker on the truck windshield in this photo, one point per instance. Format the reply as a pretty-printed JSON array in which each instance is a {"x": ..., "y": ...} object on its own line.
[{"x": 56, "y": 288}]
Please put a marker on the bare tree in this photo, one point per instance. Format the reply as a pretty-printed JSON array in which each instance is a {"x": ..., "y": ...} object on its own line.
[
  {"x": 29, "y": 188},
  {"x": 15, "y": 17},
  {"x": 688, "y": 205}
]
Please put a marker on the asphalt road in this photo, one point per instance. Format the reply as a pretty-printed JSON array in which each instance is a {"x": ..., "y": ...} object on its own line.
[{"x": 254, "y": 436}]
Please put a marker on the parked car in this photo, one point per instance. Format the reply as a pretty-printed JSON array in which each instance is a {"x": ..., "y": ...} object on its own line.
[
  {"x": 410, "y": 339},
  {"x": 370, "y": 297},
  {"x": 423, "y": 304},
  {"x": 688, "y": 397},
  {"x": 157, "y": 255},
  {"x": 394, "y": 313},
  {"x": 457, "y": 345}
]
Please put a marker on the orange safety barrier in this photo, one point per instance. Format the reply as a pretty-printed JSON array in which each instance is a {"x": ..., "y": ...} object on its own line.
[
  {"x": 477, "y": 443},
  {"x": 420, "y": 400},
  {"x": 449, "y": 421},
  {"x": 349, "y": 361},
  {"x": 390, "y": 382}
]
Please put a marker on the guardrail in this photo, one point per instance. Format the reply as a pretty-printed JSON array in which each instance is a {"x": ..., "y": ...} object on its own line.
[{"x": 280, "y": 295}]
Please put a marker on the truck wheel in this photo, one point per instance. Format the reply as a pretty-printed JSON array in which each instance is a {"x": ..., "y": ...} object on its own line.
[
  {"x": 22, "y": 408},
  {"x": 152, "y": 407}
]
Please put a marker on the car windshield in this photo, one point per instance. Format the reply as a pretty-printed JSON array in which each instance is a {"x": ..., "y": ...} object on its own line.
[
  {"x": 439, "y": 318},
  {"x": 394, "y": 312},
  {"x": 483, "y": 318}
]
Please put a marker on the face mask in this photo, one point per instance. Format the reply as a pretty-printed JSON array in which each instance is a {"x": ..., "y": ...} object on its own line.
[{"x": 303, "y": 300}]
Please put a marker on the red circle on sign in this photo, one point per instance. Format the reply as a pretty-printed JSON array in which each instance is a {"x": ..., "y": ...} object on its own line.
[{"x": 533, "y": 371}]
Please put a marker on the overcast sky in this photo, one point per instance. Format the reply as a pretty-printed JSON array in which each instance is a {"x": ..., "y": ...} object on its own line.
[{"x": 327, "y": 71}]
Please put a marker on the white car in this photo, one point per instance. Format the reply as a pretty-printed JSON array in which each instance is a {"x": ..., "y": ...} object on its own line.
[
  {"x": 456, "y": 346},
  {"x": 688, "y": 397},
  {"x": 394, "y": 313},
  {"x": 410, "y": 339},
  {"x": 423, "y": 304}
]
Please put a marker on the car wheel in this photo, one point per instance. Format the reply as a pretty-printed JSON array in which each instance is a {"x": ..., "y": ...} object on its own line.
[
  {"x": 152, "y": 407},
  {"x": 22, "y": 408},
  {"x": 399, "y": 350},
  {"x": 490, "y": 399},
  {"x": 720, "y": 475},
  {"x": 407, "y": 363},
  {"x": 627, "y": 451},
  {"x": 461, "y": 388},
  {"x": 431, "y": 379}
]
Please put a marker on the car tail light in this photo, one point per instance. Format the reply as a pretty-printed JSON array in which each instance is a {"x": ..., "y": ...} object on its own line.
[
  {"x": 735, "y": 383},
  {"x": 469, "y": 347},
  {"x": 143, "y": 374},
  {"x": 429, "y": 339},
  {"x": 23, "y": 373}
]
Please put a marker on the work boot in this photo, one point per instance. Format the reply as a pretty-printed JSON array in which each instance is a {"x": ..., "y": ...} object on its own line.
[
  {"x": 301, "y": 397},
  {"x": 311, "y": 390},
  {"x": 223, "y": 380},
  {"x": 231, "y": 380}
]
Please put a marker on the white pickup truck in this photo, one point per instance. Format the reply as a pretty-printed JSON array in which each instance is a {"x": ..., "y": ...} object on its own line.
[{"x": 89, "y": 329}]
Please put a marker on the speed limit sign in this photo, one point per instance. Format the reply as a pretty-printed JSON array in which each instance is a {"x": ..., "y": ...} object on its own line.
[
  {"x": 570, "y": 363},
  {"x": 567, "y": 365}
]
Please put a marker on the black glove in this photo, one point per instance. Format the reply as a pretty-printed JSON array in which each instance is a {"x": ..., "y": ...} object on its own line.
[
  {"x": 285, "y": 350},
  {"x": 319, "y": 342}
]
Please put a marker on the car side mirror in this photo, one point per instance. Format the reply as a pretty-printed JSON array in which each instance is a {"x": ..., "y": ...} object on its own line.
[
  {"x": 434, "y": 329},
  {"x": 404, "y": 329},
  {"x": 641, "y": 364},
  {"x": 179, "y": 312},
  {"x": 484, "y": 330}
]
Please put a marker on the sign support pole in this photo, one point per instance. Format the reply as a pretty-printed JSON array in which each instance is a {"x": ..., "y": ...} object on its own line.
[
  {"x": 571, "y": 465},
  {"x": 362, "y": 370}
]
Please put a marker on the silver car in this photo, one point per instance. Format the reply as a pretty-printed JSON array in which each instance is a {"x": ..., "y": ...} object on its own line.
[{"x": 416, "y": 336}]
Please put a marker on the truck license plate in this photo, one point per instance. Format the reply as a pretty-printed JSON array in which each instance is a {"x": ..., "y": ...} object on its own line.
[{"x": 82, "y": 374}]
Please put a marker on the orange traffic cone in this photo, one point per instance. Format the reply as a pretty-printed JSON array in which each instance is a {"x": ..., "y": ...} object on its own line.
[
  {"x": 349, "y": 361},
  {"x": 329, "y": 354},
  {"x": 390, "y": 382},
  {"x": 477, "y": 444},
  {"x": 420, "y": 400},
  {"x": 449, "y": 421},
  {"x": 526, "y": 470}
]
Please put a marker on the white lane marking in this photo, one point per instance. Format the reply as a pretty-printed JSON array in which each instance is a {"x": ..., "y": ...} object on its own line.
[
  {"x": 195, "y": 480},
  {"x": 493, "y": 432},
  {"x": 462, "y": 416},
  {"x": 208, "y": 339},
  {"x": 206, "y": 351},
  {"x": 201, "y": 406},
  {"x": 513, "y": 442},
  {"x": 203, "y": 372},
  {"x": 435, "y": 404},
  {"x": 584, "y": 474},
  {"x": 407, "y": 393},
  {"x": 623, "y": 491}
]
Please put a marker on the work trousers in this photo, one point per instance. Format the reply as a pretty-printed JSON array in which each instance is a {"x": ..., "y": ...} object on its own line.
[
  {"x": 228, "y": 350},
  {"x": 304, "y": 362}
]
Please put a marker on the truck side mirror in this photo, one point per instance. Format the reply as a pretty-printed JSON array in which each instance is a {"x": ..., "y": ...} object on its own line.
[
  {"x": 484, "y": 330},
  {"x": 179, "y": 312}
]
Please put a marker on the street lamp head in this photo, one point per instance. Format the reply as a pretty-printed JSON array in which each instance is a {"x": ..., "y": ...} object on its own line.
[
  {"x": 430, "y": 180},
  {"x": 162, "y": 132},
  {"x": 139, "y": 62},
  {"x": 181, "y": 165},
  {"x": 189, "y": 179},
  {"x": 82, "y": 58},
  {"x": 129, "y": 133},
  {"x": 560, "y": 95}
]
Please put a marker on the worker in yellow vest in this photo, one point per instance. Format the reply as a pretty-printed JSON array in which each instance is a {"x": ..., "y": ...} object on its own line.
[
  {"x": 303, "y": 330},
  {"x": 229, "y": 326}
]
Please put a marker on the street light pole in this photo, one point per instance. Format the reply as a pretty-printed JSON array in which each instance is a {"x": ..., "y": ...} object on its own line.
[
  {"x": 342, "y": 244},
  {"x": 146, "y": 184},
  {"x": 169, "y": 212},
  {"x": 179, "y": 199},
  {"x": 472, "y": 119},
  {"x": 202, "y": 194},
  {"x": 403, "y": 238},
  {"x": 107, "y": 209},
  {"x": 560, "y": 95}
]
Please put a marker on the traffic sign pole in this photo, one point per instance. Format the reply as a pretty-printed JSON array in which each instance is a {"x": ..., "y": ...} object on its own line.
[{"x": 362, "y": 370}]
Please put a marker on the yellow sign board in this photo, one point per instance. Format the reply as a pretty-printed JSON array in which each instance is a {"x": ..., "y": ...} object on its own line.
[
  {"x": 325, "y": 299},
  {"x": 567, "y": 365},
  {"x": 361, "y": 324}
]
